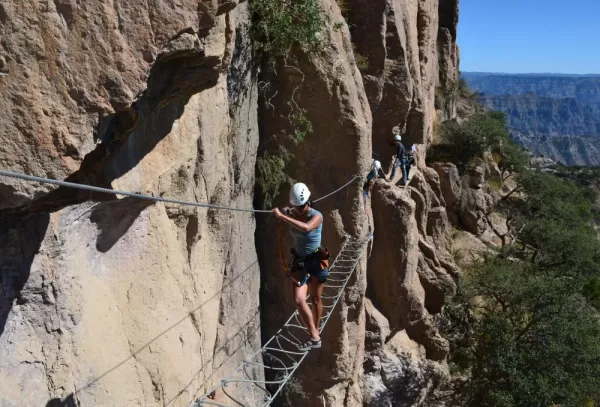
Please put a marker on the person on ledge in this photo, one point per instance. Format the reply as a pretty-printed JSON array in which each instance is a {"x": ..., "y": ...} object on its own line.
[{"x": 373, "y": 175}]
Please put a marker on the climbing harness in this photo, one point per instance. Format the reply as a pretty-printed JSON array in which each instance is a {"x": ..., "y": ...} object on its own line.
[
  {"x": 279, "y": 357},
  {"x": 284, "y": 264},
  {"x": 298, "y": 264}
]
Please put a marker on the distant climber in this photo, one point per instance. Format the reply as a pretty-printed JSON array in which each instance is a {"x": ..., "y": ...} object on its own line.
[
  {"x": 374, "y": 174},
  {"x": 309, "y": 260},
  {"x": 410, "y": 161},
  {"x": 400, "y": 160}
]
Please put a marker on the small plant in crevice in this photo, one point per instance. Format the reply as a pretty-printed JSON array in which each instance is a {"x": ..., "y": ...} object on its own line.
[
  {"x": 361, "y": 61},
  {"x": 271, "y": 173},
  {"x": 280, "y": 26},
  {"x": 301, "y": 125},
  {"x": 388, "y": 67}
]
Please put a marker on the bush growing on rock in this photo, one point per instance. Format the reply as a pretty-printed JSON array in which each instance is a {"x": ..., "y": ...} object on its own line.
[
  {"x": 512, "y": 159},
  {"x": 525, "y": 325},
  {"x": 472, "y": 138},
  {"x": 281, "y": 25}
]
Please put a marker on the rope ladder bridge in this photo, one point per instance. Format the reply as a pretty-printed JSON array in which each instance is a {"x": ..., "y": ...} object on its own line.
[{"x": 279, "y": 357}]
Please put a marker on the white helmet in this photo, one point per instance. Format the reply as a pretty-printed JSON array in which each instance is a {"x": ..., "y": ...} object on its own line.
[
  {"x": 299, "y": 194},
  {"x": 397, "y": 137},
  {"x": 377, "y": 165}
]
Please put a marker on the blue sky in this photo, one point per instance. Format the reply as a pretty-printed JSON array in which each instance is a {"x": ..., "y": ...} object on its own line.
[{"x": 530, "y": 36}]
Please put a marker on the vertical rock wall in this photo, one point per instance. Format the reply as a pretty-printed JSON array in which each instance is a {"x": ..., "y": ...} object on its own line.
[
  {"x": 119, "y": 302},
  {"x": 406, "y": 49},
  {"x": 329, "y": 87},
  {"x": 109, "y": 301}
]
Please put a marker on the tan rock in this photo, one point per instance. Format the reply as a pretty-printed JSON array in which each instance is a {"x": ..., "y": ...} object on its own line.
[
  {"x": 451, "y": 187},
  {"x": 121, "y": 302},
  {"x": 396, "y": 40},
  {"x": 72, "y": 65},
  {"x": 396, "y": 371},
  {"x": 397, "y": 287},
  {"x": 468, "y": 249}
]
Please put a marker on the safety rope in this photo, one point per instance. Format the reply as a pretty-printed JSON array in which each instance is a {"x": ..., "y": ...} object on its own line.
[
  {"x": 281, "y": 253},
  {"x": 337, "y": 190},
  {"x": 279, "y": 356},
  {"x": 32, "y": 178}
]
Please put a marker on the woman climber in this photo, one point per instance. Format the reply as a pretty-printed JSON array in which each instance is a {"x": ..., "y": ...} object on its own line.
[
  {"x": 373, "y": 175},
  {"x": 308, "y": 259}
]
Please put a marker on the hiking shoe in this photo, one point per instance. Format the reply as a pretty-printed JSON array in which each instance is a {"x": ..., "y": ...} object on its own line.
[{"x": 309, "y": 344}]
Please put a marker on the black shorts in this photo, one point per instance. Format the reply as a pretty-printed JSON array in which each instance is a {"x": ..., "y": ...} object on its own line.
[{"x": 310, "y": 265}]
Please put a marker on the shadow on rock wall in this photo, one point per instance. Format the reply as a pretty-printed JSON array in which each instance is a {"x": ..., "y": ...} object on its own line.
[
  {"x": 20, "y": 239},
  {"x": 127, "y": 136},
  {"x": 113, "y": 220}
]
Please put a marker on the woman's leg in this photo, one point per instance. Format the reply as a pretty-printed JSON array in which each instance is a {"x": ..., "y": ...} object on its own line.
[
  {"x": 304, "y": 309},
  {"x": 316, "y": 289}
]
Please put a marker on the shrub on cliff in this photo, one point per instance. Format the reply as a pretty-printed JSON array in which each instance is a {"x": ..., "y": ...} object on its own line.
[
  {"x": 525, "y": 325},
  {"x": 279, "y": 26},
  {"x": 512, "y": 159},
  {"x": 463, "y": 142}
]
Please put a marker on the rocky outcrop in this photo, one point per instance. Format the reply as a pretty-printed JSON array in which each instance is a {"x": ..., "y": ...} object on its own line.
[
  {"x": 110, "y": 301},
  {"x": 396, "y": 371},
  {"x": 406, "y": 50},
  {"x": 117, "y": 302},
  {"x": 451, "y": 186},
  {"x": 407, "y": 281},
  {"x": 448, "y": 53},
  {"x": 398, "y": 40},
  {"x": 469, "y": 199}
]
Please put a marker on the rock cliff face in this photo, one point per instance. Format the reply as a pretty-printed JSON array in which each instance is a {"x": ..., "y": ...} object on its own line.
[
  {"x": 116, "y": 302},
  {"x": 108, "y": 301}
]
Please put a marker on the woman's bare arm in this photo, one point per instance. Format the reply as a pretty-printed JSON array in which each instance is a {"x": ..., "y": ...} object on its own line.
[{"x": 305, "y": 227}]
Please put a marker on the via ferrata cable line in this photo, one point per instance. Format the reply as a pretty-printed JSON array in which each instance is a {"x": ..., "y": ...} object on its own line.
[
  {"x": 41, "y": 180},
  {"x": 275, "y": 355}
]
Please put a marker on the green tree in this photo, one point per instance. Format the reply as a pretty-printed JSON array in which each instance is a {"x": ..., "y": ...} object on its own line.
[
  {"x": 525, "y": 325},
  {"x": 533, "y": 340},
  {"x": 513, "y": 159},
  {"x": 472, "y": 138},
  {"x": 279, "y": 26}
]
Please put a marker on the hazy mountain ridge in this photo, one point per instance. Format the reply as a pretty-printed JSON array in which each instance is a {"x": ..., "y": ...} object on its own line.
[
  {"x": 530, "y": 113},
  {"x": 557, "y": 116},
  {"x": 584, "y": 88}
]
